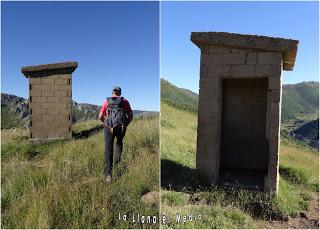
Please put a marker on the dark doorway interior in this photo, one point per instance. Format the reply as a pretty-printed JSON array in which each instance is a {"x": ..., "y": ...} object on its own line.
[{"x": 244, "y": 148}]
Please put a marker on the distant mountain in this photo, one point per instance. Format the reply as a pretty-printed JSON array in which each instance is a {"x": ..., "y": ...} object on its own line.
[
  {"x": 178, "y": 97},
  {"x": 299, "y": 107},
  {"x": 14, "y": 111},
  {"x": 308, "y": 133}
]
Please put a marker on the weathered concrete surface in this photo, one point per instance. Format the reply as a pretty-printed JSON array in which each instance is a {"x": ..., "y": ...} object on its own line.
[
  {"x": 240, "y": 99},
  {"x": 287, "y": 47},
  {"x": 50, "y": 100}
]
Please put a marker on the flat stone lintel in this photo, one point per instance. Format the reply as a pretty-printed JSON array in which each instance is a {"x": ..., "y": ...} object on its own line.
[
  {"x": 49, "y": 69},
  {"x": 287, "y": 47}
]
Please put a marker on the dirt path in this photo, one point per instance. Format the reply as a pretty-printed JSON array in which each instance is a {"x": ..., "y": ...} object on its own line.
[{"x": 306, "y": 220}]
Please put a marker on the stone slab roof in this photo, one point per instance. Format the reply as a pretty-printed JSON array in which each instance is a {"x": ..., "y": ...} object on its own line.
[
  {"x": 49, "y": 69},
  {"x": 288, "y": 47}
]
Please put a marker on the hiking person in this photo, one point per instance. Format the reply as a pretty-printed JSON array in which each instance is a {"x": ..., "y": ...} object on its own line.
[{"x": 116, "y": 115}]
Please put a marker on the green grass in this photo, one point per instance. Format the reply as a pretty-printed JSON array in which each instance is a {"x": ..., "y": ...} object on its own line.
[
  {"x": 227, "y": 208},
  {"x": 8, "y": 120},
  {"x": 62, "y": 187},
  {"x": 300, "y": 101},
  {"x": 180, "y": 98}
]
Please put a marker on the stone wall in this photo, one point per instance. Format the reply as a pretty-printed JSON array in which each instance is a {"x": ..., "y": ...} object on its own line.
[{"x": 50, "y": 101}]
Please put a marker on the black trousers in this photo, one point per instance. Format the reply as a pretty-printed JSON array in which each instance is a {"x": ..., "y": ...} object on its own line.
[{"x": 118, "y": 133}]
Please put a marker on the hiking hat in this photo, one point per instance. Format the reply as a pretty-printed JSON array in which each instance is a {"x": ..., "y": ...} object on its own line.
[{"x": 117, "y": 90}]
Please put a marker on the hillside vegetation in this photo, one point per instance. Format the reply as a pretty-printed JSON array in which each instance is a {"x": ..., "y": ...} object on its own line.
[
  {"x": 182, "y": 193},
  {"x": 300, "y": 101},
  {"x": 60, "y": 184},
  {"x": 178, "y": 97}
]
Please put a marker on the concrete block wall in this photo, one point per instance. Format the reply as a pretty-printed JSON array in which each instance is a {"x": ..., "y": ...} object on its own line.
[
  {"x": 50, "y": 101},
  {"x": 226, "y": 57}
]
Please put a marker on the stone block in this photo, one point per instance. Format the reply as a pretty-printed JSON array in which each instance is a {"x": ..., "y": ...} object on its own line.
[
  {"x": 53, "y": 111},
  {"x": 47, "y": 93},
  {"x": 35, "y": 105},
  {"x": 204, "y": 49},
  {"x": 209, "y": 83},
  {"x": 35, "y": 93},
  {"x": 63, "y": 118},
  {"x": 233, "y": 58},
  {"x": 65, "y": 99},
  {"x": 53, "y": 99},
  {"x": 61, "y": 81},
  {"x": 35, "y": 80},
  {"x": 251, "y": 58},
  {"x": 274, "y": 108},
  {"x": 55, "y": 106},
  {"x": 65, "y": 87},
  {"x": 47, "y": 117},
  {"x": 38, "y": 99},
  {"x": 274, "y": 95},
  {"x": 273, "y": 153},
  {"x": 65, "y": 76},
  {"x": 219, "y": 70},
  {"x": 219, "y": 49},
  {"x": 211, "y": 59},
  {"x": 274, "y": 83},
  {"x": 203, "y": 71},
  {"x": 210, "y": 116},
  {"x": 46, "y": 87},
  {"x": 61, "y": 93},
  {"x": 242, "y": 71},
  {"x": 274, "y": 123},
  {"x": 38, "y": 111},
  {"x": 269, "y": 58},
  {"x": 268, "y": 70},
  {"x": 65, "y": 111},
  {"x": 47, "y": 81}
]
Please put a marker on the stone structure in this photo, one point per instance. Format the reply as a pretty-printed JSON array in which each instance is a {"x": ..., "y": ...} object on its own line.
[
  {"x": 239, "y": 107},
  {"x": 50, "y": 102}
]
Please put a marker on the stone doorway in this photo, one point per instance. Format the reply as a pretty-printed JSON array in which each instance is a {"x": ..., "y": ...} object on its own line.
[
  {"x": 244, "y": 146},
  {"x": 228, "y": 59}
]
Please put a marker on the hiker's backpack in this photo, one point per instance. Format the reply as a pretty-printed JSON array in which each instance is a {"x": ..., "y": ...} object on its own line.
[{"x": 116, "y": 115}]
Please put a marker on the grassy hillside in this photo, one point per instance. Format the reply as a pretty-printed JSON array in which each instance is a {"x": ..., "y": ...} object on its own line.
[
  {"x": 300, "y": 101},
  {"x": 299, "y": 106},
  {"x": 178, "y": 97},
  {"x": 181, "y": 191},
  {"x": 59, "y": 184}
]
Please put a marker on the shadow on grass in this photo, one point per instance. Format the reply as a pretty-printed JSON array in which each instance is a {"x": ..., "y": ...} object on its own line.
[
  {"x": 86, "y": 133},
  {"x": 177, "y": 177}
]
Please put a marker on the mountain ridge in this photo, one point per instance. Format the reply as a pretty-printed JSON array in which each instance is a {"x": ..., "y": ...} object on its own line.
[{"x": 14, "y": 111}]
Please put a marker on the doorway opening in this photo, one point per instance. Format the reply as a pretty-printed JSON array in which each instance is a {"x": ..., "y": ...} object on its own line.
[{"x": 244, "y": 148}]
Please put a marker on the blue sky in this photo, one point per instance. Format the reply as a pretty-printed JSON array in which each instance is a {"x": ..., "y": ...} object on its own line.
[
  {"x": 115, "y": 43},
  {"x": 180, "y": 58}
]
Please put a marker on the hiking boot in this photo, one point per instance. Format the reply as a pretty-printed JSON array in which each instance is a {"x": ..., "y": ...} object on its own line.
[{"x": 108, "y": 178}]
